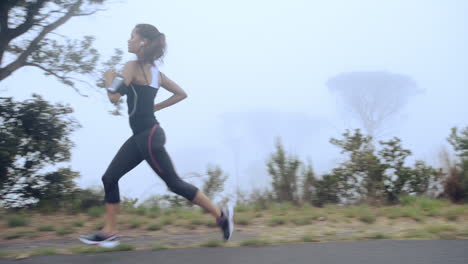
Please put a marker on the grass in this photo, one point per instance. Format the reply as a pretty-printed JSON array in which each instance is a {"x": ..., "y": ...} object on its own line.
[
  {"x": 211, "y": 223},
  {"x": 5, "y": 254},
  {"x": 242, "y": 208},
  {"x": 46, "y": 228},
  {"x": 309, "y": 238},
  {"x": 368, "y": 219},
  {"x": 331, "y": 209},
  {"x": 454, "y": 213},
  {"x": 90, "y": 249},
  {"x": 362, "y": 212},
  {"x": 95, "y": 212},
  {"x": 188, "y": 214},
  {"x": 212, "y": 243},
  {"x": 356, "y": 211},
  {"x": 439, "y": 228},
  {"x": 135, "y": 223},
  {"x": 277, "y": 220},
  {"x": 167, "y": 220},
  {"x": 153, "y": 214},
  {"x": 413, "y": 212},
  {"x": 141, "y": 210},
  {"x": 159, "y": 247},
  {"x": 154, "y": 227},
  {"x": 44, "y": 252},
  {"x": 416, "y": 233},
  {"x": 378, "y": 236},
  {"x": 300, "y": 221},
  {"x": 432, "y": 219},
  {"x": 15, "y": 235},
  {"x": 463, "y": 234},
  {"x": 99, "y": 225},
  {"x": 78, "y": 223},
  {"x": 281, "y": 208},
  {"x": 432, "y": 212},
  {"x": 21, "y": 234},
  {"x": 423, "y": 202},
  {"x": 17, "y": 221},
  {"x": 242, "y": 220},
  {"x": 66, "y": 230},
  {"x": 255, "y": 242},
  {"x": 197, "y": 221}
]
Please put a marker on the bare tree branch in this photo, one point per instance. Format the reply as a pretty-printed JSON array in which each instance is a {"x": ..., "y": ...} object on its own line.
[
  {"x": 90, "y": 13},
  {"x": 49, "y": 13}
]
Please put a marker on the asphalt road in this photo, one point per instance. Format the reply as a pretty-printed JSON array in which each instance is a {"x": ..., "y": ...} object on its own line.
[{"x": 360, "y": 252}]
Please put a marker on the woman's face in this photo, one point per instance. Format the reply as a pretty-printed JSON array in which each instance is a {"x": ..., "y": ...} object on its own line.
[{"x": 135, "y": 43}]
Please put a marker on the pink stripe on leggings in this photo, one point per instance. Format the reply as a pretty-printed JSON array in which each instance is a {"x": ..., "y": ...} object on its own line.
[{"x": 150, "y": 140}]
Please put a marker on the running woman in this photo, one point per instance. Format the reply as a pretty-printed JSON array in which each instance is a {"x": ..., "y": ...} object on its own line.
[{"x": 140, "y": 82}]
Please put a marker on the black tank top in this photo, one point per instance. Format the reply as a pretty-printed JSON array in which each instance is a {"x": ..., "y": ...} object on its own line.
[{"x": 140, "y": 102}]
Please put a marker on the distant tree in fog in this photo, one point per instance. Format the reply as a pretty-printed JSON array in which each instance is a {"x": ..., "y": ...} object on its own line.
[{"x": 372, "y": 98}]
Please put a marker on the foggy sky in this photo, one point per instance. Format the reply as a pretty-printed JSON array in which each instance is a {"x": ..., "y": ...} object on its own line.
[{"x": 257, "y": 70}]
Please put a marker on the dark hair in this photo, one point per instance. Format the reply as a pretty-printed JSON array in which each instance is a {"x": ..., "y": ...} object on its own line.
[{"x": 156, "y": 43}]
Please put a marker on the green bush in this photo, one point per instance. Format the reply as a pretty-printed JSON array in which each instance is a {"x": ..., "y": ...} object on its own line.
[
  {"x": 17, "y": 220},
  {"x": 95, "y": 212},
  {"x": 46, "y": 228}
]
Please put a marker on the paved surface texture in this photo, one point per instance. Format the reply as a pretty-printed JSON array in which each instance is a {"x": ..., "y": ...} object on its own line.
[{"x": 360, "y": 252}]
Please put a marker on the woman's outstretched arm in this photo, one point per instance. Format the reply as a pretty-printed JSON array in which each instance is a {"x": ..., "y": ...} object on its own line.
[{"x": 111, "y": 75}]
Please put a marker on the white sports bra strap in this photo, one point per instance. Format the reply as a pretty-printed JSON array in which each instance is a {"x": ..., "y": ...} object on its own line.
[{"x": 155, "y": 75}]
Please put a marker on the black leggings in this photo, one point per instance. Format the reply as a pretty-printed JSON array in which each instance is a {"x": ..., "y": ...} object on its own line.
[{"x": 147, "y": 145}]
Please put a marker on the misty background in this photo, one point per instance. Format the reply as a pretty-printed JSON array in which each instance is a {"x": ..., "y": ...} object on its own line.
[{"x": 258, "y": 70}]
